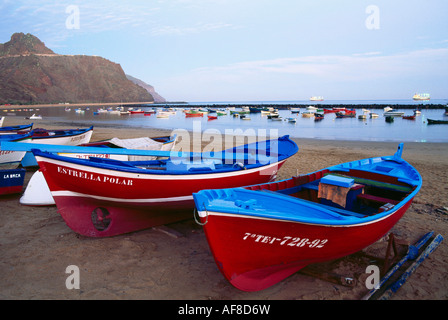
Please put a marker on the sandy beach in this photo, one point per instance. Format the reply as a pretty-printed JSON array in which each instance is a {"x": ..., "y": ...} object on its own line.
[{"x": 36, "y": 246}]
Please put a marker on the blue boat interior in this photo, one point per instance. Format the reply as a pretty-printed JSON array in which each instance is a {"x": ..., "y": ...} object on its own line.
[{"x": 351, "y": 191}]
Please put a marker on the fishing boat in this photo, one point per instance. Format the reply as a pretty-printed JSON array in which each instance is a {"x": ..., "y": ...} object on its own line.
[
  {"x": 11, "y": 159},
  {"x": 345, "y": 114},
  {"x": 103, "y": 197},
  {"x": 15, "y": 129},
  {"x": 374, "y": 115},
  {"x": 421, "y": 96},
  {"x": 70, "y": 137},
  {"x": 432, "y": 121},
  {"x": 193, "y": 114},
  {"x": 261, "y": 234},
  {"x": 308, "y": 114},
  {"x": 318, "y": 116},
  {"x": 11, "y": 180},
  {"x": 411, "y": 117},
  {"x": 212, "y": 117},
  {"x": 136, "y": 111},
  {"x": 291, "y": 120},
  {"x": 389, "y": 119},
  {"x": 393, "y": 113},
  {"x": 295, "y": 110},
  {"x": 37, "y": 192}
]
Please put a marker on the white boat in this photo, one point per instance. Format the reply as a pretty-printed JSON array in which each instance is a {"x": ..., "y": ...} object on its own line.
[
  {"x": 387, "y": 109},
  {"x": 307, "y": 114},
  {"x": 394, "y": 113},
  {"x": 421, "y": 96},
  {"x": 1, "y": 121},
  {"x": 311, "y": 108},
  {"x": 34, "y": 117},
  {"x": 373, "y": 115},
  {"x": 317, "y": 98}
]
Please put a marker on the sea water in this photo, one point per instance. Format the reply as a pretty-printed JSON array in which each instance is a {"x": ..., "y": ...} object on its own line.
[{"x": 332, "y": 128}]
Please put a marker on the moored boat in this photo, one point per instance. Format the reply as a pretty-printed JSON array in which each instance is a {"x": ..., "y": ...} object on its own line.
[
  {"x": 410, "y": 117},
  {"x": 432, "y": 121},
  {"x": 261, "y": 234},
  {"x": 104, "y": 197}
]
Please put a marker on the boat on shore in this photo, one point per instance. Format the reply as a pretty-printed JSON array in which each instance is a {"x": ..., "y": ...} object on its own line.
[
  {"x": 11, "y": 180},
  {"x": 37, "y": 192},
  {"x": 12, "y": 159},
  {"x": 262, "y": 234},
  {"x": 104, "y": 197},
  {"x": 16, "y": 129}
]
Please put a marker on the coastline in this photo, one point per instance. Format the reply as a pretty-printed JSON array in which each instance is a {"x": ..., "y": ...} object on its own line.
[{"x": 37, "y": 246}]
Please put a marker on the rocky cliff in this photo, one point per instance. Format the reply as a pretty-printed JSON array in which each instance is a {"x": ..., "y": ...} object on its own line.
[{"x": 32, "y": 73}]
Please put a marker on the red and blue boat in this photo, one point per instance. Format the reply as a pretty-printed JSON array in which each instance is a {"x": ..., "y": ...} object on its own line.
[
  {"x": 11, "y": 181},
  {"x": 261, "y": 234},
  {"x": 100, "y": 197}
]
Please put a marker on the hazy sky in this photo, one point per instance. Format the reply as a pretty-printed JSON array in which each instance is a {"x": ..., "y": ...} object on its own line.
[{"x": 235, "y": 50}]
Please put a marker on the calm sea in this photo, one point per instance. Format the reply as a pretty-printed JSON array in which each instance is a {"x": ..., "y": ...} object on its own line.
[{"x": 400, "y": 130}]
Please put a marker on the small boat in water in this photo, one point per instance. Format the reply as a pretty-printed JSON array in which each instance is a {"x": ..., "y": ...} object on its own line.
[
  {"x": 104, "y": 197},
  {"x": 393, "y": 113},
  {"x": 432, "y": 121},
  {"x": 261, "y": 234},
  {"x": 412, "y": 117}
]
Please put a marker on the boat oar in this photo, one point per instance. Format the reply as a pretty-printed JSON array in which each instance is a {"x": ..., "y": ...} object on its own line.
[
  {"x": 411, "y": 255},
  {"x": 397, "y": 284},
  {"x": 20, "y": 146}
]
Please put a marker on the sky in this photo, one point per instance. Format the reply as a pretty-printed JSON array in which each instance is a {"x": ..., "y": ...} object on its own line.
[{"x": 252, "y": 50}]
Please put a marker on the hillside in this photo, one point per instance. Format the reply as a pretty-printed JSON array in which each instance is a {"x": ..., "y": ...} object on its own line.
[{"x": 32, "y": 73}]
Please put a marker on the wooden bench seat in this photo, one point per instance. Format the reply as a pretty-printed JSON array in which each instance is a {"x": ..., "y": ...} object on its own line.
[{"x": 376, "y": 199}]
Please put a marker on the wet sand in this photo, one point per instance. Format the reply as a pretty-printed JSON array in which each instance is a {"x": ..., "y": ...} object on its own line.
[{"x": 36, "y": 246}]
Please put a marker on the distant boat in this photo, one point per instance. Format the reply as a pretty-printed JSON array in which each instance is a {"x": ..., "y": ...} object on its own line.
[
  {"x": 317, "y": 98},
  {"x": 34, "y": 117},
  {"x": 421, "y": 96},
  {"x": 373, "y": 115},
  {"x": 432, "y": 121},
  {"x": 193, "y": 114},
  {"x": 295, "y": 110},
  {"x": 393, "y": 113},
  {"x": 318, "y": 116},
  {"x": 292, "y": 120},
  {"x": 409, "y": 117},
  {"x": 389, "y": 119},
  {"x": 212, "y": 117},
  {"x": 307, "y": 114}
]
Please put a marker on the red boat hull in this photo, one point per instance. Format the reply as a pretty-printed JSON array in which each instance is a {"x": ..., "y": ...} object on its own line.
[
  {"x": 254, "y": 253},
  {"x": 129, "y": 201}
]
